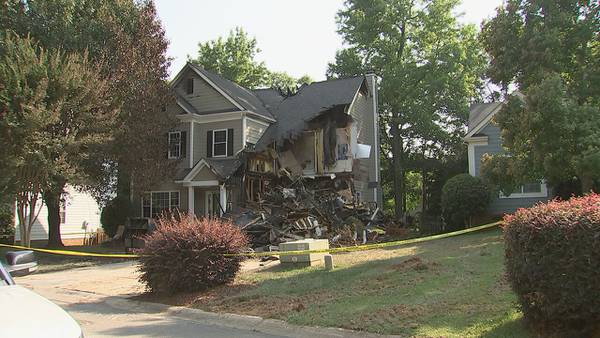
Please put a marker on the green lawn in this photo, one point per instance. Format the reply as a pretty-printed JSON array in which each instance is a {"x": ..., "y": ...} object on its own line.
[
  {"x": 452, "y": 287},
  {"x": 51, "y": 263}
]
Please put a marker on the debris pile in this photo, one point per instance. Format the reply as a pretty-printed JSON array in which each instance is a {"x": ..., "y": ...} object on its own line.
[{"x": 294, "y": 208}]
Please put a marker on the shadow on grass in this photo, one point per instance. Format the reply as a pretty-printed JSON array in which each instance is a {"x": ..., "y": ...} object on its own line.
[{"x": 514, "y": 328}]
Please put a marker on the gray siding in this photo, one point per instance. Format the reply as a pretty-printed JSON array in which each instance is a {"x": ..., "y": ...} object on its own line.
[
  {"x": 362, "y": 113},
  {"x": 200, "y": 130},
  {"x": 494, "y": 146},
  {"x": 204, "y": 98}
]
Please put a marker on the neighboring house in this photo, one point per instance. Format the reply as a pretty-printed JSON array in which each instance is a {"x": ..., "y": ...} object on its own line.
[
  {"x": 484, "y": 137},
  {"x": 230, "y": 140},
  {"x": 79, "y": 218}
]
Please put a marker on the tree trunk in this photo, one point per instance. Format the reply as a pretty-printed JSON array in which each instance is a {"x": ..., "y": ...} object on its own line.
[
  {"x": 423, "y": 191},
  {"x": 587, "y": 183},
  {"x": 398, "y": 170},
  {"x": 52, "y": 199}
]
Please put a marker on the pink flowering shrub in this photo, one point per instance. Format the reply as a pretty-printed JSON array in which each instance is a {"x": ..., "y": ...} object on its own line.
[
  {"x": 185, "y": 254},
  {"x": 553, "y": 264}
]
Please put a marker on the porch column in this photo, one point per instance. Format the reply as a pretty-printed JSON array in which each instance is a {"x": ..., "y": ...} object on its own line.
[
  {"x": 222, "y": 198},
  {"x": 191, "y": 200}
]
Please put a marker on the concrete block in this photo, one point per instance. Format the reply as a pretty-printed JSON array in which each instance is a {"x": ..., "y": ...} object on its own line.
[
  {"x": 328, "y": 262},
  {"x": 301, "y": 245}
]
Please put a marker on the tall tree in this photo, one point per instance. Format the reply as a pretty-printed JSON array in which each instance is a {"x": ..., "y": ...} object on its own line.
[
  {"x": 430, "y": 66},
  {"x": 235, "y": 59},
  {"x": 126, "y": 40},
  {"x": 56, "y": 116},
  {"x": 285, "y": 81},
  {"x": 550, "y": 51}
]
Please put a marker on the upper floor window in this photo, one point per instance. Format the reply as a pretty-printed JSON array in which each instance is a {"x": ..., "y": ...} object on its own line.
[
  {"x": 189, "y": 86},
  {"x": 219, "y": 143},
  {"x": 174, "y": 144}
]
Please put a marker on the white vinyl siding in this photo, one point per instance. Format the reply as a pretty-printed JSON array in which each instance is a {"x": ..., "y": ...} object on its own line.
[{"x": 79, "y": 214}]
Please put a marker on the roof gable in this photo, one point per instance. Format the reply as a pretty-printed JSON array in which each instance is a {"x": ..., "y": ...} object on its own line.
[
  {"x": 244, "y": 98},
  {"x": 206, "y": 97},
  {"x": 480, "y": 115}
]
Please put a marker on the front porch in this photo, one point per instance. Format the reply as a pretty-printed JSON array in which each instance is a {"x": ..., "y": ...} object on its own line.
[
  {"x": 208, "y": 193},
  {"x": 208, "y": 198}
]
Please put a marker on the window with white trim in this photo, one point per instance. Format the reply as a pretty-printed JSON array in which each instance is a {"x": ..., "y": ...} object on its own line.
[
  {"x": 533, "y": 189},
  {"x": 156, "y": 203},
  {"x": 219, "y": 147},
  {"x": 174, "y": 144}
]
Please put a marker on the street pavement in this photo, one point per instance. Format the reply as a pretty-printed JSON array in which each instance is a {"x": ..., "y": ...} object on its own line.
[{"x": 89, "y": 295}]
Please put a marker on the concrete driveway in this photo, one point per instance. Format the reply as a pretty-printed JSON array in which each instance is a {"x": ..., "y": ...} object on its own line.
[{"x": 97, "y": 297}]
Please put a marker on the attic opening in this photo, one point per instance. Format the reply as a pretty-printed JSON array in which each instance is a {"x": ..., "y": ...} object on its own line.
[{"x": 189, "y": 85}]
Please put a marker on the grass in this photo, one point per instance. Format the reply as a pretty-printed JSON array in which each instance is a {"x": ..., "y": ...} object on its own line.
[
  {"x": 52, "y": 263},
  {"x": 444, "y": 288}
]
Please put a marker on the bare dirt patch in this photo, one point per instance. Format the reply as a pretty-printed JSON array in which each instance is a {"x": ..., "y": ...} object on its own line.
[{"x": 415, "y": 263}]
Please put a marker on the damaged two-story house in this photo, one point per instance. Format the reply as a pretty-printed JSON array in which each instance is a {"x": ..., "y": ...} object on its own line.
[{"x": 230, "y": 139}]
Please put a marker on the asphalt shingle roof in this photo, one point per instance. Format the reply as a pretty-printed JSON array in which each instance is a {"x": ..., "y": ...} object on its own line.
[
  {"x": 310, "y": 101},
  {"x": 224, "y": 168},
  {"x": 480, "y": 112}
]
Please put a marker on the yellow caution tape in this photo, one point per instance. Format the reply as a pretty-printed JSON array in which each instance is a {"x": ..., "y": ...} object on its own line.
[
  {"x": 70, "y": 253},
  {"x": 367, "y": 246},
  {"x": 276, "y": 253}
]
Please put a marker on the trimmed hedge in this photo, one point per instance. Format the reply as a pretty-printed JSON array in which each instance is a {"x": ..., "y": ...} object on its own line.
[
  {"x": 114, "y": 214},
  {"x": 553, "y": 264},
  {"x": 185, "y": 254},
  {"x": 463, "y": 196}
]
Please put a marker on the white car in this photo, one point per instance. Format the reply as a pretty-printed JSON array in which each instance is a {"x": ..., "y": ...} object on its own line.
[{"x": 25, "y": 314}]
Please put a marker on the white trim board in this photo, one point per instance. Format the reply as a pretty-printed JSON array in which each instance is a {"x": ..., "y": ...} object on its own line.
[
  {"x": 191, "y": 147},
  {"x": 209, "y": 183},
  {"x": 226, "y": 116}
]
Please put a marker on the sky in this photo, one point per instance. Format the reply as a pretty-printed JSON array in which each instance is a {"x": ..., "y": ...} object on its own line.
[{"x": 298, "y": 37}]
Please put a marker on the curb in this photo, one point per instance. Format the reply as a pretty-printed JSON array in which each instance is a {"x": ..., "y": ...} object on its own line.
[{"x": 241, "y": 322}]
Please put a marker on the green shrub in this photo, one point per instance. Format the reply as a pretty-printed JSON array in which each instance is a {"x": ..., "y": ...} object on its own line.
[
  {"x": 185, "y": 253},
  {"x": 115, "y": 213},
  {"x": 553, "y": 265},
  {"x": 463, "y": 196}
]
